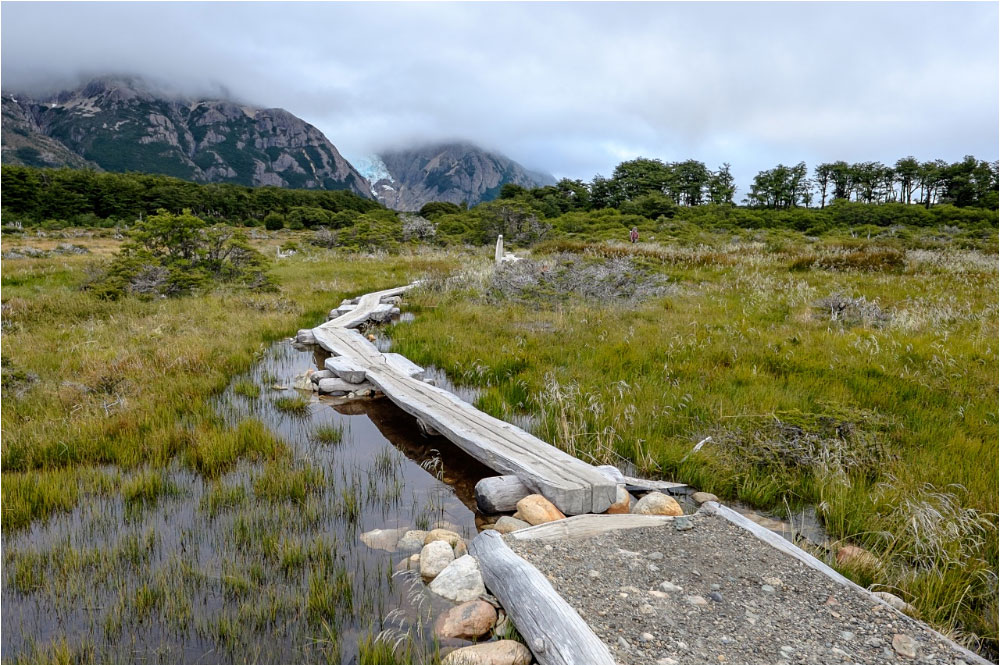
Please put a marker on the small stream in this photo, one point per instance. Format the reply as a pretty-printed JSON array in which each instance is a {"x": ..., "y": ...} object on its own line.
[{"x": 234, "y": 571}]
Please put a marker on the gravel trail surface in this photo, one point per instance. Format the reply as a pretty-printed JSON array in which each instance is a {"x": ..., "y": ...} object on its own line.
[{"x": 715, "y": 594}]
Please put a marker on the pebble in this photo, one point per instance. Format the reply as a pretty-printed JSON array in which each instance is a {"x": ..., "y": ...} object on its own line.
[
  {"x": 594, "y": 574},
  {"x": 767, "y": 588},
  {"x": 715, "y": 586},
  {"x": 667, "y": 661},
  {"x": 683, "y": 524},
  {"x": 696, "y": 600},
  {"x": 655, "y": 555},
  {"x": 715, "y": 596},
  {"x": 904, "y": 646},
  {"x": 847, "y": 635},
  {"x": 646, "y": 609},
  {"x": 667, "y": 586},
  {"x": 652, "y": 567},
  {"x": 548, "y": 549},
  {"x": 646, "y": 637},
  {"x": 624, "y": 643},
  {"x": 839, "y": 653}
]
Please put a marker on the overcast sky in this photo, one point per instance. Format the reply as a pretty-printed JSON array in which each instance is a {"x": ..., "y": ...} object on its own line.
[{"x": 572, "y": 89}]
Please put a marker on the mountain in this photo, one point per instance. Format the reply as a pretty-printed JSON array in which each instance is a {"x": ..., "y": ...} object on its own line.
[
  {"x": 123, "y": 124},
  {"x": 457, "y": 172}
]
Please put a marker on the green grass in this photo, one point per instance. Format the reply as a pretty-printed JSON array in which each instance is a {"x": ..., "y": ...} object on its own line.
[
  {"x": 297, "y": 405},
  {"x": 328, "y": 434},
  {"x": 132, "y": 382},
  {"x": 880, "y": 422}
]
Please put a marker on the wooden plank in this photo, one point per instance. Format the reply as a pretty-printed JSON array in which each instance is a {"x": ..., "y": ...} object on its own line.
[
  {"x": 789, "y": 548},
  {"x": 634, "y": 484},
  {"x": 588, "y": 525},
  {"x": 554, "y": 632},
  {"x": 403, "y": 365},
  {"x": 497, "y": 494},
  {"x": 346, "y": 369},
  {"x": 366, "y": 304},
  {"x": 571, "y": 484}
]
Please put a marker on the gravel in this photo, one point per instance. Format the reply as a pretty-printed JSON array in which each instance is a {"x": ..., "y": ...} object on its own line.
[{"x": 740, "y": 601}]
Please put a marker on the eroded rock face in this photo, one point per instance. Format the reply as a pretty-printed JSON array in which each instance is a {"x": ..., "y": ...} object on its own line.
[
  {"x": 124, "y": 124},
  {"x": 536, "y": 510},
  {"x": 469, "y": 621},
  {"x": 457, "y": 173},
  {"x": 496, "y": 652},
  {"x": 658, "y": 504}
]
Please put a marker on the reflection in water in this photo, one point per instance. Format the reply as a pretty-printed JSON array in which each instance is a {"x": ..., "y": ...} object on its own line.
[{"x": 261, "y": 565}]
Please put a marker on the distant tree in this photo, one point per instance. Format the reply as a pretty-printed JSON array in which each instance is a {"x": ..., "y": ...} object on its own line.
[
  {"x": 721, "y": 186},
  {"x": 512, "y": 191},
  {"x": 434, "y": 209},
  {"x": 823, "y": 174}
]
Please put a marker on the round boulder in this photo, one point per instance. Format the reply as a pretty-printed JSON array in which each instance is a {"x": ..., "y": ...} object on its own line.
[
  {"x": 468, "y": 621},
  {"x": 537, "y": 510},
  {"x": 495, "y": 652},
  {"x": 434, "y": 558},
  {"x": 450, "y": 537},
  {"x": 658, "y": 504}
]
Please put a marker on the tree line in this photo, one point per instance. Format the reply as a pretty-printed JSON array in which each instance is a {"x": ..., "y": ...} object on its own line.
[
  {"x": 651, "y": 187},
  {"x": 89, "y": 198}
]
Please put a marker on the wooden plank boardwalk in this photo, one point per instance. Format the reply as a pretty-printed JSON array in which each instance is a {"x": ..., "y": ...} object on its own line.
[{"x": 571, "y": 484}]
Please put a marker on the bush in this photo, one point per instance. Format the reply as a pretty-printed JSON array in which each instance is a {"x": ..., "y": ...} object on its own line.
[
  {"x": 274, "y": 221},
  {"x": 172, "y": 255}
]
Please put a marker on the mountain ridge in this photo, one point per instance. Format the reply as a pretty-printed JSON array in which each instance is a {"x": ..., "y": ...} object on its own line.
[
  {"x": 456, "y": 171},
  {"x": 121, "y": 124}
]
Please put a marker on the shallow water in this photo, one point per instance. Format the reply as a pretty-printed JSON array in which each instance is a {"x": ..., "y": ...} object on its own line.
[{"x": 264, "y": 578}]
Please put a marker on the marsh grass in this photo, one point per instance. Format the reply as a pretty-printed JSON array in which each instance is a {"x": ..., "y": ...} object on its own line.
[
  {"x": 130, "y": 382},
  {"x": 328, "y": 434},
  {"x": 855, "y": 375},
  {"x": 295, "y": 405}
]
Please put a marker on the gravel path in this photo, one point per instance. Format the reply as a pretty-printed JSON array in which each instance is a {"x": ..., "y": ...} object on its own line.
[{"x": 716, "y": 594}]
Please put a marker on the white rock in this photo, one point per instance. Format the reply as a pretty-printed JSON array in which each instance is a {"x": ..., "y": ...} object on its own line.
[
  {"x": 667, "y": 586},
  {"x": 459, "y": 581},
  {"x": 435, "y": 557}
]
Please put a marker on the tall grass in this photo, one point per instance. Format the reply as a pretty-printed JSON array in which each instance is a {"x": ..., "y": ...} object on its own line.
[
  {"x": 887, "y": 422},
  {"x": 88, "y": 382}
]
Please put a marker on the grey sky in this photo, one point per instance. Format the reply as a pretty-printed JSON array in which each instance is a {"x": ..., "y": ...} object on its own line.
[{"x": 569, "y": 88}]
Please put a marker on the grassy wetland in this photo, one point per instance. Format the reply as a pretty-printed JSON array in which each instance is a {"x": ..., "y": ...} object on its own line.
[{"x": 159, "y": 491}]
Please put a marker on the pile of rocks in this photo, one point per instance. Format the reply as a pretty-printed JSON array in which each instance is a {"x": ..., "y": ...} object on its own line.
[{"x": 442, "y": 560}]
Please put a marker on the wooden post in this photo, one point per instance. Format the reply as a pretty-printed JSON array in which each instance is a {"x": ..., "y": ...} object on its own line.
[
  {"x": 554, "y": 632},
  {"x": 498, "y": 257}
]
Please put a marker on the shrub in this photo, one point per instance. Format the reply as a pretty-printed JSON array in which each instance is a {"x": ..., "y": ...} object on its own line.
[
  {"x": 274, "y": 221},
  {"x": 172, "y": 255}
]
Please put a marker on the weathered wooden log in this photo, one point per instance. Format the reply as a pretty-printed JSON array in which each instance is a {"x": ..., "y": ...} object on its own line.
[
  {"x": 305, "y": 337},
  {"x": 381, "y": 313},
  {"x": 497, "y": 494},
  {"x": 346, "y": 369},
  {"x": 403, "y": 365},
  {"x": 554, "y": 632},
  {"x": 589, "y": 525},
  {"x": 337, "y": 385},
  {"x": 636, "y": 485}
]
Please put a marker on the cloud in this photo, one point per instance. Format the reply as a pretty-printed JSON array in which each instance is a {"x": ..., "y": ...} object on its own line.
[{"x": 569, "y": 88}]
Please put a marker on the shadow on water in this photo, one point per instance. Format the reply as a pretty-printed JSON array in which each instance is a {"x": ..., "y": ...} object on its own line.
[{"x": 262, "y": 565}]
